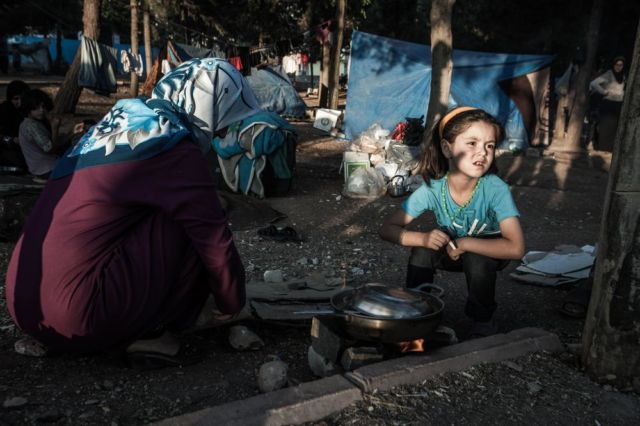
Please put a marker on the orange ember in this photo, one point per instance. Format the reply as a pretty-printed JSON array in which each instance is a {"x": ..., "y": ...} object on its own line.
[{"x": 411, "y": 346}]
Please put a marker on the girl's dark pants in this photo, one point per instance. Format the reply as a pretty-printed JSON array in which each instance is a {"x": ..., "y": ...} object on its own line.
[{"x": 479, "y": 270}]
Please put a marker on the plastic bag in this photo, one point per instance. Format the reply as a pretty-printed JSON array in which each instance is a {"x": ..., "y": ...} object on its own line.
[
  {"x": 365, "y": 183},
  {"x": 372, "y": 139},
  {"x": 405, "y": 156}
]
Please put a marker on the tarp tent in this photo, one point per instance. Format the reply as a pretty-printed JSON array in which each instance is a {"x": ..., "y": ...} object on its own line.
[
  {"x": 275, "y": 92},
  {"x": 389, "y": 80},
  {"x": 175, "y": 54}
]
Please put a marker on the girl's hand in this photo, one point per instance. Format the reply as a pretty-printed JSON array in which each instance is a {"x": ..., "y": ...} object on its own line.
[
  {"x": 454, "y": 253},
  {"x": 435, "y": 239}
]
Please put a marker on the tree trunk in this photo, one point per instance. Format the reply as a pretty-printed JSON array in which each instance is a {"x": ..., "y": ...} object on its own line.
[
  {"x": 578, "y": 95},
  {"x": 612, "y": 327},
  {"x": 336, "y": 47},
  {"x": 441, "y": 63},
  {"x": 323, "y": 90},
  {"x": 133, "y": 88},
  {"x": 146, "y": 25},
  {"x": 69, "y": 93}
]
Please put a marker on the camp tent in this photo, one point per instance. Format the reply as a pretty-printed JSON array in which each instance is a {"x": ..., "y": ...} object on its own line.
[
  {"x": 175, "y": 54},
  {"x": 389, "y": 80},
  {"x": 275, "y": 92}
]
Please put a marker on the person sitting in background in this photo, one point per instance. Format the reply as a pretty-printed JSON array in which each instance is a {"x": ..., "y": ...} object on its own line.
[
  {"x": 10, "y": 119},
  {"x": 38, "y": 136}
]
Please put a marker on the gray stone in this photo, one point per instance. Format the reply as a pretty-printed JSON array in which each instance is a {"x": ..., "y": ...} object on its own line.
[
  {"x": 30, "y": 347},
  {"x": 241, "y": 338},
  {"x": 356, "y": 357},
  {"x": 274, "y": 276},
  {"x": 512, "y": 365},
  {"x": 533, "y": 387},
  {"x": 272, "y": 376},
  {"x": 15, "y": 402},
  {"x": 319, "y": 365},
  {"x": 325, "y": 341},
  {"x": 443, "y": 335}
]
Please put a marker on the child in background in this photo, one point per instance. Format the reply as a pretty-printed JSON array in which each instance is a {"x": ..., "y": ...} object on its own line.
[
  {"x": 38, "y": 136},
  {"x": 10, "y": 119},
  {"x": 478, "y": 226}
]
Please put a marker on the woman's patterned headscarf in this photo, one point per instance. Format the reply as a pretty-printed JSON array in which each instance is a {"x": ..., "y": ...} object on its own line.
[{"x": 196, "y": 99}]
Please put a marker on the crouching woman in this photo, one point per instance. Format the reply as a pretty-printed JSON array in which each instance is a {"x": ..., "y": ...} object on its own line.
[{"x": 128, "y": 239}]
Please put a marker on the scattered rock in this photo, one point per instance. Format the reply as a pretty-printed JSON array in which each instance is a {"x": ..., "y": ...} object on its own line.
[
  {"x": 30, "y": 347},
  {"x": 357, "y": 271},
  {"x": 512, "y": 365},
  {"x": 272, "y": 376},
  {"x": 319, "y": 365},
  {"x": 15, "y": 402},
  {"x": 533, "y": 387},
  {"x": 357, "y": 357},
  {"x": 274, "y": 276},
  {"x": 241, "y": 338}
]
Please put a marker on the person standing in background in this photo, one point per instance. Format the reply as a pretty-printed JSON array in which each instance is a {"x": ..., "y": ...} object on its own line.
[{"x": 610, "y": 85}]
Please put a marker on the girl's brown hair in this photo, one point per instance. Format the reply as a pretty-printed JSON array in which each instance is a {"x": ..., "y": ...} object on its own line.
[{"x": 434, "y": 165}]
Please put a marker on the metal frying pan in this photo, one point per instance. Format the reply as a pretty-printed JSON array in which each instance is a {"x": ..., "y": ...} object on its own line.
[{"x": 374, "y": 328}]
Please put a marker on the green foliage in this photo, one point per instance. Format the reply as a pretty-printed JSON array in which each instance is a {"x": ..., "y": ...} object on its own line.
[{"x": 40, "y": 16}]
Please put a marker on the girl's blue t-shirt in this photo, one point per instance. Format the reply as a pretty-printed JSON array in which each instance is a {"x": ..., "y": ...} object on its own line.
[{"x": 491, "y": 204}]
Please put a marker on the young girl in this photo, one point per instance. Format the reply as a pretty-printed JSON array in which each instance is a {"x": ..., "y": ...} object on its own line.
[
  {"x": 478, "y": 226},
  {"x": 38, "y": 137}
]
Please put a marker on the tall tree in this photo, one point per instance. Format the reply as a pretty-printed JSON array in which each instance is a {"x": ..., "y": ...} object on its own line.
[
  {"x": 577, "y": 96},
  {"x": 69, "y": 93},
  {"x": 441, "y": 63},
  {"x": 323, "y": 89},
  {"x": 146, "y": 26},
  {"x": 336, "y": 48},
  {"x": 133, "y": 88},
  {"x": 612, "y": 327}
]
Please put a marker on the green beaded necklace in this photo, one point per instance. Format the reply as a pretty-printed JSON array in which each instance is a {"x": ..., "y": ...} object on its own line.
[{"x": 443, "y": 198}]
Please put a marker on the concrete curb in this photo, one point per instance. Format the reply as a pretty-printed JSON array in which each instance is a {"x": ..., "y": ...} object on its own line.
[
  {"x": 414, "y": 369},
  {"x": 303, "y": 403},
  {"x": 318, "y": 399}
]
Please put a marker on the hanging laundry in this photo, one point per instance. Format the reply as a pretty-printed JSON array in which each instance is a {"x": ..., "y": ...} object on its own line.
[
  {"x": 165, "y": 66},
  {"x": 97, "y": 67},
  {"x": 131, "y": 62},
  {"x": 289, "y": 64},
  {"x": 236, "y": 61}
]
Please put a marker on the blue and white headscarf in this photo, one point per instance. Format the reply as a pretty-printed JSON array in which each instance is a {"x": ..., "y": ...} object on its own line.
[{"x": 195, "y": 100}]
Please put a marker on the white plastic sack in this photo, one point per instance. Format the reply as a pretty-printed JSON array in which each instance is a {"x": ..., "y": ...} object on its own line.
[
  {"x": 365, "y": 183},
  {"x": 372, "y": 139}
]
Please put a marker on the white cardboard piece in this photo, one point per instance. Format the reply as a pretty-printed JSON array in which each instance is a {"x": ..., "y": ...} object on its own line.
[{"x": 326, "y": 119}]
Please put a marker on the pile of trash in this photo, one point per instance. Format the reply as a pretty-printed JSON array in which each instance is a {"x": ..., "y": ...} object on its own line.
[{"x": 375, "y": 164}]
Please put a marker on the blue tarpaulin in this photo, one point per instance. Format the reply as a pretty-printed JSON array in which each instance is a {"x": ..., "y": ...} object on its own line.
[
  {"x": 390, "y": 80},
  {"x": 70, "y": 46}
]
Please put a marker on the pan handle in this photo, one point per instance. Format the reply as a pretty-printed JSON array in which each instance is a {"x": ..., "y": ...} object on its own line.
[{"x": 431, "y": 289}]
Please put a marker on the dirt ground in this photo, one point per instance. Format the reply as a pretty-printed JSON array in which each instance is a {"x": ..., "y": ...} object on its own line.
[{"x": 560, "y": 202}]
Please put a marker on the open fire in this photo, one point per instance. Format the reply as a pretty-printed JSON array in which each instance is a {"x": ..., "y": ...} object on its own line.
[{"x": 411, "y": 346}]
